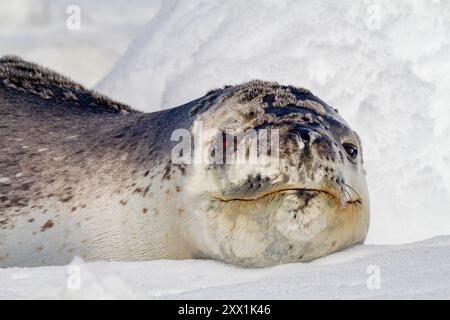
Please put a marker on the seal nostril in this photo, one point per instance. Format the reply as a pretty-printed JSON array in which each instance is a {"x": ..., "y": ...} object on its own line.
[{"x": 304, "y": 134}]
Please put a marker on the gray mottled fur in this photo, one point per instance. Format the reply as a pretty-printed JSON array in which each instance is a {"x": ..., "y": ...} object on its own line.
[{"x": 44, "y": 116}]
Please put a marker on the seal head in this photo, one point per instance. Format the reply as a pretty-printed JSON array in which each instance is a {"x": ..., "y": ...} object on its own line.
[{"x": 309, "y": 201}]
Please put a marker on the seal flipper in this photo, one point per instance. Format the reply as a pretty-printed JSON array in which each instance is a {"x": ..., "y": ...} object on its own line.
[{"x": 29, "y": 78}]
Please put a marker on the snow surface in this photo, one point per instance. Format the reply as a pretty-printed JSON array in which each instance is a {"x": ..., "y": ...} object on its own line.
[
  {"x": 416, "y": 271},
  {"x": 384, "y": 64}
]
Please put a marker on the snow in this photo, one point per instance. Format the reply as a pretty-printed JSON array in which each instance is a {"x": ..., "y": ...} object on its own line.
[
  {"x": 414, "y": 271},
  {"x": 384, "y": 64}
]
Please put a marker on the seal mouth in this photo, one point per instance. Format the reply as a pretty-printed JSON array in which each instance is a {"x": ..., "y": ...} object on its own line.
[{"x": 331, "y": 194}]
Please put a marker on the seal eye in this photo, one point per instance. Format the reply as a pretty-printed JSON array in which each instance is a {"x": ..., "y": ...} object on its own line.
[{"x": 351, "y": 150}]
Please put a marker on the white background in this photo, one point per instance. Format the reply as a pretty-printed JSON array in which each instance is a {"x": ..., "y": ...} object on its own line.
[{"x": 384, "y": 64}]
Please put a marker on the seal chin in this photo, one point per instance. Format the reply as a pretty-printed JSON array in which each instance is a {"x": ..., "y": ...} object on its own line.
[{"x": 282, "y": 226}]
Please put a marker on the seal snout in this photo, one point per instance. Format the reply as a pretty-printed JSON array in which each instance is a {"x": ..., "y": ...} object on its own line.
[{"x": 314, "y": 139}]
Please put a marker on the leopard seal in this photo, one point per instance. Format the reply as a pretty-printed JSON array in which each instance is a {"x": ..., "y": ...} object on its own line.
[{"x": 83, "y": 175}]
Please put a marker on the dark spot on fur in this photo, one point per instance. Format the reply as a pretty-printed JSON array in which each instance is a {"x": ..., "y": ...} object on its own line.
[
  {"x": 341, "y": 156},
  {"x": 146, "y": 173},
  {"x": 144, "y": 210},
  {"x": 118, "y": 136},
  {"x": 178, "y": 188},
  {"x": 74, "y": 209},
  {"x": 25, "y": 186},
  {"x": 306, "y": 196},
  {"x": 166, "y": 174},
  {"x": 146, "y": 191},
  {"x": 16, "y": 202},
  {"x": 49, "y": 224},
  {"x": 30, "y": 220},
  {"x": 182, "y": 168},
  {"x": 123, "y": 202},
  {"x": 269, "y": 99},
  {"x": 66, "y": 198}
]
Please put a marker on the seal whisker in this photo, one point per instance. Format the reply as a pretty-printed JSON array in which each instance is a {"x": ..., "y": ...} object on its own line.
[
  {"x": 358, "y": 198},
  {"x": 347, "y": 196}
]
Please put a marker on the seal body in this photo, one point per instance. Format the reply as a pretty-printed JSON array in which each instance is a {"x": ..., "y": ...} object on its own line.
[{"x": 82, "y": 175}]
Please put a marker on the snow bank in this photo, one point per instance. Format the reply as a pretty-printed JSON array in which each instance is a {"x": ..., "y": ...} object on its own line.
[
  {"x": 415, "y": 271},
  {"x": 37, "y": 30},
  {"x": 23, "y": 12},
  {"x": 384, "y": 64}
]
